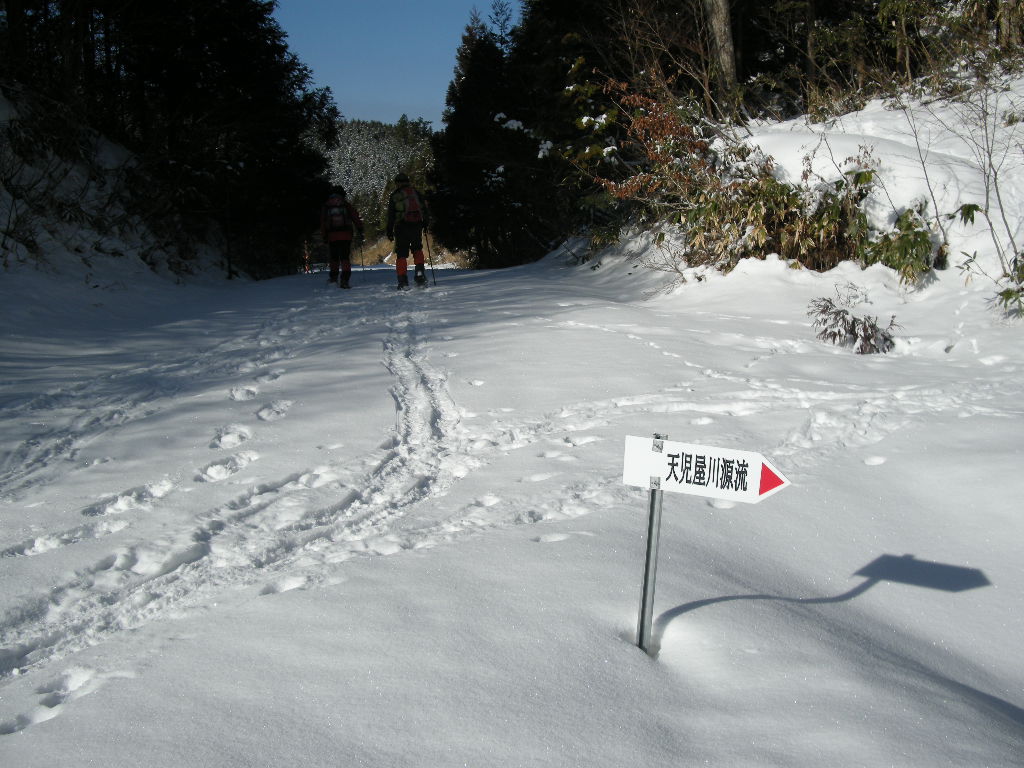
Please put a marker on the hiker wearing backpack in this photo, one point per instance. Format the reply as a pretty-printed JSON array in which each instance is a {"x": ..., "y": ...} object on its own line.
[
  {"x": 339, "y": 223},
  {"x": 407, "y": 218}
]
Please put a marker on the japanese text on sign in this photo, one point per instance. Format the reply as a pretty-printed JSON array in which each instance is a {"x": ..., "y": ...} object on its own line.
[{"x": 709, "y": 472}]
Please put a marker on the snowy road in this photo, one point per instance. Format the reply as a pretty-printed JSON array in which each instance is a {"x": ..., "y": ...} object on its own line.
[{"x": 180, "y": 463}]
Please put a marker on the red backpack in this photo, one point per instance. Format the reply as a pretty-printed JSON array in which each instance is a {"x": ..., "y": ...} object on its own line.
[
  {"x": 337, "y": 214},
  {"x": 410, "y": 205}
]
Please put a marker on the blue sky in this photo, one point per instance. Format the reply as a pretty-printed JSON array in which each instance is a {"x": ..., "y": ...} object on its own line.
[{"x": 382, "y": 59}]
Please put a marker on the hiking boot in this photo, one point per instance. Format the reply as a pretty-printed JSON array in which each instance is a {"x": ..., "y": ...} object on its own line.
[
  {"x": 421, "y": 276},
  {"x": 344, "y": 284},
  {"x": 403, "y": 282}
]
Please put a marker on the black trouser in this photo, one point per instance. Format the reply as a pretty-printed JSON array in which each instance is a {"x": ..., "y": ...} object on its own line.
[
  {"x": 340, "y": 251},
  {"x": 409, "y": 237}
]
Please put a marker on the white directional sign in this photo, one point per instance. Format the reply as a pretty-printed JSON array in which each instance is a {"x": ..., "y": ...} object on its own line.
[{"x": 700, "y": 470}]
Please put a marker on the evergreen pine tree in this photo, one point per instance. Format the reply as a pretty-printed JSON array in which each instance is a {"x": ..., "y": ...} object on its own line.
[
  {"x": 469, "y": 191},
  {"x": 205, "y": 92}
]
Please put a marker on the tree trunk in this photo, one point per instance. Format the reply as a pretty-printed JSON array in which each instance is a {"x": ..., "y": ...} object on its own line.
[
  {"x": 1008, "y": 19},
  {"x": 903, "y": 51},
  {"x": 723, "y": 55},
  {"x": 810, "y": 52}
]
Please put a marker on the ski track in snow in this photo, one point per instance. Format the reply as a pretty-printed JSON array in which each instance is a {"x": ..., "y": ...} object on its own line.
[{"x": 286, "y": 534}]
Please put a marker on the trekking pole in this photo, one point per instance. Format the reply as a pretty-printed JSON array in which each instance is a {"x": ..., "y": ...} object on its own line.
[{"x": 430, "y": 257}]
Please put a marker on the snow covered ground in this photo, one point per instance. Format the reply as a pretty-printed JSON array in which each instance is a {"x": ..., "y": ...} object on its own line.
[
  {"x": 276, "y": 523},
  {"x": 281, "y": 524}
]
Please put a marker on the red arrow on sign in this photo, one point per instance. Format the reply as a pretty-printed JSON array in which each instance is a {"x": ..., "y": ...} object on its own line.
[{"x": 769, "y": 480}]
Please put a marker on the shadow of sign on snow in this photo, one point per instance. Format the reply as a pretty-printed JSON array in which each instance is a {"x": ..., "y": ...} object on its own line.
[
  {"x": 901, "y": 570},
  {"x": 922, "y": 573}
]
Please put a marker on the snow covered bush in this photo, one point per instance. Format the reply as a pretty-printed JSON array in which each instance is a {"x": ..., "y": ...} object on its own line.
[
  {"x": 718, "y": 197},
  {"x": 907, "y": 249},
  {"x": 835, "y": 323},
  {"x": 724, "y": 196}
]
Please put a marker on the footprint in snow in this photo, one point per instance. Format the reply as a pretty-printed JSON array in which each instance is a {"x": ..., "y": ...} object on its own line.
[
  {"x": 540, "y": 477},
  {"x": 221, "y": 470},
  {"x": 287, "y": 584},
  {"x": 271, "y": 376},
  {"x": 133, "y": 498},
  {"x": 556, "y": 456},
  {"x": 276, "y": 410},
  {"x": 551, "y": 538},
  {"x": 39, "y": 545},
  {"x": 577, "y": 441},
  {"x": 230, "y": 436},
  {"x": 241, "y": 394},
  {"x": 75, "y": 683}
]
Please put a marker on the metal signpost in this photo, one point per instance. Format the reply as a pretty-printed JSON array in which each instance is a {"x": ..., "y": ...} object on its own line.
[{"x": 698, "y": 470}]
